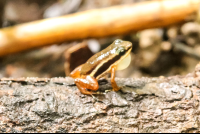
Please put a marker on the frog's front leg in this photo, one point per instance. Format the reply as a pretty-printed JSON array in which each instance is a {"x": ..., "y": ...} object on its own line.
[
  {"x": 113, "y": 83},
  {"x": 87, "y": 82}
]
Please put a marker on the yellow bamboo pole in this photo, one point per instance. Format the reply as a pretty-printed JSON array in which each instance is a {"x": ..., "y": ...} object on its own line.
[{"x": 95, "y": 23}]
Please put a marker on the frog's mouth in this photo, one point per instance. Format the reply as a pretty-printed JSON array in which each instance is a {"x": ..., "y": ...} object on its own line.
[{"x": 129, "y": 46}]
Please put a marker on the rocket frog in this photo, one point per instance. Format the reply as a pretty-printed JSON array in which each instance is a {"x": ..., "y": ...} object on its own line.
[{"x": 114, "y": 57}]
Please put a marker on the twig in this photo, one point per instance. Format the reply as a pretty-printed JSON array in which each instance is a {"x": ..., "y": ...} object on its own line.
[{"x": 186, "y": 49}]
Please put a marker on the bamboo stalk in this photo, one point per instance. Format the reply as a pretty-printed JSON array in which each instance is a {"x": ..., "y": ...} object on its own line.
[{"x": 95, "y": 24}]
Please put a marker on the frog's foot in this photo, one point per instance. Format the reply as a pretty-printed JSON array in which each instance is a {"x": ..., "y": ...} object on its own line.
[{"x": 114, "y": 86}]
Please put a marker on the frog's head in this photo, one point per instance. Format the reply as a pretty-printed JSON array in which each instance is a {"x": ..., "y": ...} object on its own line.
[{"x": 122, "y": 47}]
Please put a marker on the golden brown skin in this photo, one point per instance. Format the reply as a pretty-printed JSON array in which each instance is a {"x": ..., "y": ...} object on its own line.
[{"x": 86, "y": 75}]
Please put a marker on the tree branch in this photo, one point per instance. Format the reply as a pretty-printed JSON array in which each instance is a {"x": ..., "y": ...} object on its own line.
[
  {"x": 95, "y": 24},
  {"x": 162, "y": 104}
]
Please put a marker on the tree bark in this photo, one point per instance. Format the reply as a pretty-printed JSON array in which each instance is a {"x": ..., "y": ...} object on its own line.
[
  {"x": 164, "y": 104},
  {"x": 95, "y": 23}
]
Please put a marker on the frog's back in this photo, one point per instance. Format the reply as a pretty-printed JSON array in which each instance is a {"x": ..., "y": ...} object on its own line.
[{"x": 94, "y": 62}]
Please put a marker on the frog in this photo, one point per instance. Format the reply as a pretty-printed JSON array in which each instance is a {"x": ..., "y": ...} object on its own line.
[{"x": 115, "y": 57}]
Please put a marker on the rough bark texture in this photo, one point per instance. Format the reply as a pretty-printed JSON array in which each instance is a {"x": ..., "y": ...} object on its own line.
[{"x": 142, "y": 105}]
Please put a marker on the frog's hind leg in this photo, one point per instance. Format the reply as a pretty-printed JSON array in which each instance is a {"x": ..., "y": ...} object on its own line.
[
  {"x": 84, "y": 90},
  {"x": 87, "y": 82},
  {"x": 76, "y": 72}
]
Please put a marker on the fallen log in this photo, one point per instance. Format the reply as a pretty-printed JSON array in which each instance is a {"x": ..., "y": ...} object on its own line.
[
  {"x": 163, "y": 104},
  {"x": 95, "y": 23}
]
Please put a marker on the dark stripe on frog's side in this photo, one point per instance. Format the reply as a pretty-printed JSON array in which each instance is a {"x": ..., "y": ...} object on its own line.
[
  {"x": 106, "y": 65},
  {"x": 88, "y": 67}
]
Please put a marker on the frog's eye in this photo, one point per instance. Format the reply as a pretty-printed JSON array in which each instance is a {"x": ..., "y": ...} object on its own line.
[
  {"x": 118, "y": 41},
  {"x": 121, "y": 51}
]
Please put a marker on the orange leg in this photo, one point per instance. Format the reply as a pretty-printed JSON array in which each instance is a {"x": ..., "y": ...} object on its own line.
[
  {"x": 76, "y": 72},
  {"x": 87, "y": 82},
  {"x": 84, "y": 82},
  {"x": 113, "y": 83},
  {"x": 84, "y": 90}
]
